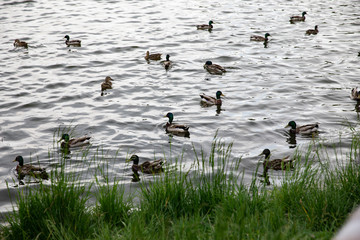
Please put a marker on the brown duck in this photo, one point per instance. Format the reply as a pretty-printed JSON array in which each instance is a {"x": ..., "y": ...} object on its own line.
[
  {"x": 149, "y": 167},
  {"x": 312, "y": 31},
  {"x": 19, "y": 43},
  {"x": 107, "y": 84},
  {"x": 29, "y": 170},
  {"x": 154, "y": 56}
]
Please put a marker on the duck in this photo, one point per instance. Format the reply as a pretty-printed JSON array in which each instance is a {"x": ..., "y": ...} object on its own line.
[
  {"x": 260, "y": 38},
  {"x": 69, "y": 42},
  {"x": 29, "y": 170},
  {"x": 107, "y": 84},
  {"x": 154, "y": 56},
  {"x": 19, "y": 43},
  {"x": 148, "y": 167},
  {"x": 167, "y": 63},
  {"x": 312, "y": 31},
  {"x": 355, "y": 94},
  {"x": 214, "y": 68},
  {"x": 298, "y": 18},
  {"x": 205, "y": 26},
  {"x": 66, "y": 142},
  {"x": 276, "y": 164},
  {"x": 211, "y": 100},
  {"x": 305, "y": 129},
  {"x": 177, "y": 129}
]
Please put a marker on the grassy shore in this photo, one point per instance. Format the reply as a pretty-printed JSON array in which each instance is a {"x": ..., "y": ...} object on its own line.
[{"x": 208, "y": 202}]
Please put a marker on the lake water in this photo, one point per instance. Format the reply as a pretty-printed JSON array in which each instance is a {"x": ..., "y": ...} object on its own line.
[{"x": 50, "y": 86}]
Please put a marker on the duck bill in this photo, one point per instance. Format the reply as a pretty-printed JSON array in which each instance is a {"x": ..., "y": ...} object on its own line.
[
  {"x": 14, "y": 160},
  {"x": 287, "y": 126}
]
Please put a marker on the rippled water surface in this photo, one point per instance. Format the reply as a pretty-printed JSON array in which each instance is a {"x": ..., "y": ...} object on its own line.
[{"x": 50, "y": 86}]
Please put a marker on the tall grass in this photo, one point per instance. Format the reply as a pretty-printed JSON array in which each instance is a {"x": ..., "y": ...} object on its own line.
[{"x": 207, "y": 201}]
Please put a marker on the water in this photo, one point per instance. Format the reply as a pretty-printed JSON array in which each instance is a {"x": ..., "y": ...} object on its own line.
[{"x": 50, "y": 86}]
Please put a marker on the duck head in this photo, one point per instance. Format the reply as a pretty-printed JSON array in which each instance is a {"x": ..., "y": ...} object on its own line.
[
  {"x": 65, "y": 137},
  {"x": 266, "y": 152},
  {"x": 218, "y": 94},
  {"x": 291, "y": 124},
  {"x": 67, "y": 37},
  {"x": 20, "y": 160},
  {"x": 208, "y": 63},
  {"x": 135, "y": 159},
  {"x": 170, "y": 116}
]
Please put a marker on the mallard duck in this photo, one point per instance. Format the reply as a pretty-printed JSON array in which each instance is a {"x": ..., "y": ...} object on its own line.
[
  {"x": 107, "y": 84},
  {"x": 69, "y": 42},
  {"x": 205, "y": 26},
  {"x": 211, "y": 100},
  {"x": 260, "y": 38},
  {"x": 177, "y": 129},
  {"x": 355, "y": 94},
  {"x": 214, "y": 68},
  {"x": 312, "y": 31},
  {"x": 146, "y": 167},
  {"x": 18, "y": 43},
  {"x": 155, "y": 56},
  {"x": 305, "y": 129},
  {"x": 29, "y": 170},
  {"x": 167, "y": 63},
  {"x": 276, "y": 164},
  {"x": 298, "y": 18},
  {"x": 66, "y": 142}
]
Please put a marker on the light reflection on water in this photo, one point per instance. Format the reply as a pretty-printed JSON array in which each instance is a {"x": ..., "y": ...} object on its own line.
[{"x": 297, "y": 77}]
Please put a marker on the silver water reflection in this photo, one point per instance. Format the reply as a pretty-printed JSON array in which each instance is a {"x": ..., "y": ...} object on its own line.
[{"x": 49, "y": 85}]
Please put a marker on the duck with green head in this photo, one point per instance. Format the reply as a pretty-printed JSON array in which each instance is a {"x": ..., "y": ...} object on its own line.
[
  {"x": 205, "y": 26},
  {"x": 276, "y": 164},
  {"x": 149, "y": 167},
  {"x": 66, "y": 142},
  {"x": 29, "y": 170},
  {"x": 177, "y": 129},
  {"x": 167, "y": 63},
  {"x": 209, "y": 100},
  {"x": 301, "y": 18},
  {"x": 305, "y": 129},
  {"x": 75, "y": 43},
  {"x": 257, "y": 38},
  {"x": 214, "y": 68}
]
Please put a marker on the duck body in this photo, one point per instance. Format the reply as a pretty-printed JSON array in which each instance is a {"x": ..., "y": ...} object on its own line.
[
  {"x": 212, "y": 100},
  {"x": 18, "y": 43},
  {"x": 107, "y": 84},
  {"x": 154, "y": 56},
  {"x": 177, "y": 129},
  {"x": 29, "y": 170},
  {"x": 66, "y": 142},
  {"x": 257, "y": 38},
  {"x": 276, "y": 164},
  {"x": 312, "y": 31},
  {"x": 301, "y": 18},
  {"x": 305, "y": 129},
  {"x": 69, "y": 42},
  {"x": 148, "y": 167},
  {"x": 355, "y": 94},
  {"x": 167, "y": 63},
  {"x": 214, "y": 68},
  {"x": 205, "y": 26}
]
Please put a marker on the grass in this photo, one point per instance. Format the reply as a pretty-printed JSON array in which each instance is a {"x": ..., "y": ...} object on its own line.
[{"x": 207, "y": 201}]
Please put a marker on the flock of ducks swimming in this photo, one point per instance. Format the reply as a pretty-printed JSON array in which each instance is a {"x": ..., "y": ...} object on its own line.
[{"x": 171, "y": 127}]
